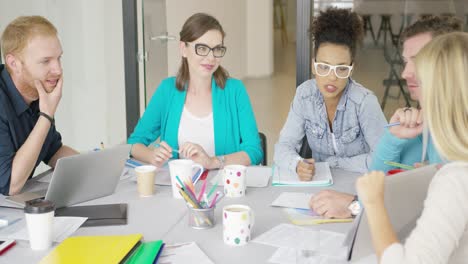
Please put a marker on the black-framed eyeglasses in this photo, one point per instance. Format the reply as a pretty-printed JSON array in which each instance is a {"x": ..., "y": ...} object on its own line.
[{"x": 204, "y": 50}]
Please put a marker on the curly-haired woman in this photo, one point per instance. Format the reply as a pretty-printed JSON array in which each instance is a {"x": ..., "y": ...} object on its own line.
[{"x": 341, "y": 119}]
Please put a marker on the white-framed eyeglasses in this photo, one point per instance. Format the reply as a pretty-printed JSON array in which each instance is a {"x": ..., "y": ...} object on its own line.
[{"x": 341, "y": 71}]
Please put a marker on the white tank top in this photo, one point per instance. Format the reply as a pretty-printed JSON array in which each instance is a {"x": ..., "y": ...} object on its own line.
[{"x": 198, "y": 130}]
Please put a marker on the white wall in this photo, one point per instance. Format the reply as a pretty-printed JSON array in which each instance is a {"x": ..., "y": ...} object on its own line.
[
  {"x": 259, "y": 38},
  {"x": 92, "y": 108}
]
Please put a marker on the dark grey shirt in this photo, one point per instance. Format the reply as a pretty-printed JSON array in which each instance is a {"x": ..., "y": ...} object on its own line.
[{"x": 17, "y": 120}]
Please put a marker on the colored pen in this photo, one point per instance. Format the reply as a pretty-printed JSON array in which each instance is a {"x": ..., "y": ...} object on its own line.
[
  {"x": 202, "y": 191},
  {"x": 399, "y": 165},
  {"x": 197, "y": 176},
  {"x": 392, "y": 124},
  {"x": 156, "y": 145},
  {"x": 212, "y": 190},
  {"x": 191, "y": 194},
  {"x": 188, "y": 200},
  {"x": 178, "y": 179},
  {"x": 213, "y": 202},
  {"x": 205, "y": 200}
]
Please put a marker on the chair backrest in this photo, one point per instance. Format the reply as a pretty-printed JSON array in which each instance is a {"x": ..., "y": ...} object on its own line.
[
  {"x": 263, "y": 143},
  {"x": 305, "y": 151}
]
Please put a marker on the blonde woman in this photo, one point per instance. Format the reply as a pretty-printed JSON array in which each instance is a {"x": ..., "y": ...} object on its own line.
[{"x": 441, "y": 233}]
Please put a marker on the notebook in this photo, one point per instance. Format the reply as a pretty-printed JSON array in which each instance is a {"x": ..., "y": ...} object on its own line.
[
  {"x": 146, "y": 253},
  {"x": 93, "y": 249},
  {"x": 322, "y": 176}
]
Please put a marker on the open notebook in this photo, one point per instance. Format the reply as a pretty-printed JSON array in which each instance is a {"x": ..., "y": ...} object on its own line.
[{"x": 322, "y": 177}]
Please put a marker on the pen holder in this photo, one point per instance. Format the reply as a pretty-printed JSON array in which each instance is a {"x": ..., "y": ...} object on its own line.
[{"x": 201, "y": 218}]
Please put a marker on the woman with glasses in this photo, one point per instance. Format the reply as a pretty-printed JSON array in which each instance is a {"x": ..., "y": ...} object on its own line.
[
  {"x": 201, "y": 113},
  {"x": 341, "y": 119}
]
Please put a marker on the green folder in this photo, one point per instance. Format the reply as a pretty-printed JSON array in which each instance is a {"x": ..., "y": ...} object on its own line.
[{"x": 146, "y": 253}]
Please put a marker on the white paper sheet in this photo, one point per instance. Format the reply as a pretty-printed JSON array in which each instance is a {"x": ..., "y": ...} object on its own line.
[
  {"x": 290, "y": 236},
  {"x": 293, "y": 200},
  {"x": 330, "y": 251},
  {"x": 183, "y": 253},
  {"x": 63, "y": 228}
]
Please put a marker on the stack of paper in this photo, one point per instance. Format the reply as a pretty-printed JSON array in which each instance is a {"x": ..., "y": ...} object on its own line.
[
  {"x": 291, "y": 240},
  {"x": 322, "y": 176}
]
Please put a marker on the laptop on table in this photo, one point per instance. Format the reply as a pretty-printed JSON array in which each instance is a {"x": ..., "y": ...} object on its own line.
[
  {"x": 405, "y": 194},
  {"x": 81, "y": 178}
]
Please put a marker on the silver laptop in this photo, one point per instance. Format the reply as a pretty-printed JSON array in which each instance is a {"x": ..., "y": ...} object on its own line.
[
  {"x": 404, "y": 199},
  {"x": 82, "y": 177}
]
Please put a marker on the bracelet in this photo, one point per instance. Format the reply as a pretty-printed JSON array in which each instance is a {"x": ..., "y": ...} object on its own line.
[
  {"x": 48, "y": 117},
  {"x": 221, "y": 161}
]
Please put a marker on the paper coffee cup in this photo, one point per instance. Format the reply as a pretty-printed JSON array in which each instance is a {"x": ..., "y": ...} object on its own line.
[
  {"x": 145, "y": 180},
  {"x": 40, "y": 222}
]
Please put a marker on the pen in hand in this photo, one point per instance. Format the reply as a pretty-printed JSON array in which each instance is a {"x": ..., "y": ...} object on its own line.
[{"x": 156, "y": 145}]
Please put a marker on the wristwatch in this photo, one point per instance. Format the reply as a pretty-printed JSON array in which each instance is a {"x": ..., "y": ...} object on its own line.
[
  {"x": 221, "y": 161},
  {"x": 355, "y": 206}
]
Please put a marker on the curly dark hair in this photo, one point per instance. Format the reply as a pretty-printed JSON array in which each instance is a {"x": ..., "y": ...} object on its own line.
[
  {"x": 436, "y": 25},
  {"x": 337, "y": 26}
]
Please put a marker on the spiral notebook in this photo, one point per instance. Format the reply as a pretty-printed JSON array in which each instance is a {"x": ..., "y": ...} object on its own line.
[{"x": 322, "y": 176}]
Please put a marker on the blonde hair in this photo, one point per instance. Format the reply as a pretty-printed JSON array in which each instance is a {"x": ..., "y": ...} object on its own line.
[
  {"x": 20, "y": 31},
  {"x": 442, "y": 68}
]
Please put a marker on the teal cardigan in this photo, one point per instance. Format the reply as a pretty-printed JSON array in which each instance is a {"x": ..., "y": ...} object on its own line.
[{"x": 235, "y": 128}]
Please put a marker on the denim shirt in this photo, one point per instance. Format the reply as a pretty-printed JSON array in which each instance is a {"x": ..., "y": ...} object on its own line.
[{"x": 357, "y": 127}]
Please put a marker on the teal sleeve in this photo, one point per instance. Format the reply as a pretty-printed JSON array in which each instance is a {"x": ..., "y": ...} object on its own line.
[
  {"x": 148, "y": 128},
  {"x": 250, "y": 140},
  {"x": 391, "y": 148}
]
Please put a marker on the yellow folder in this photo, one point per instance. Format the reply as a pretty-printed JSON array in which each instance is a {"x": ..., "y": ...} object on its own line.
[{"x": 92, "y": 249}]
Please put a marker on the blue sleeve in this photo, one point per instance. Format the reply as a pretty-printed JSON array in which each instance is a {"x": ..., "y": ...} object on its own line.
[
  {"x": 148, "y": 128},
  {"x": 391, "y": 148},
  {"x": 250, "y": 140},
  {"x": 7, "y": 154},
  {"x": 371, "y": 122}
]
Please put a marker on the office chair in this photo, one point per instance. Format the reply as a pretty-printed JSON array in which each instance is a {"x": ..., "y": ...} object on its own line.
[
  {"x": 305, "y": 151},
  {"x": 263, "y": 143},
  {"x": 393, "y": 57}
]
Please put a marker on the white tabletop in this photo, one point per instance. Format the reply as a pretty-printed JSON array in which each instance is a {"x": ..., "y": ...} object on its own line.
[{"x": 163, "y": 217}]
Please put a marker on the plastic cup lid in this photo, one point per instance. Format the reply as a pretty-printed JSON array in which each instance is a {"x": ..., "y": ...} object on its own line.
[{"x": 39, "y": 206}]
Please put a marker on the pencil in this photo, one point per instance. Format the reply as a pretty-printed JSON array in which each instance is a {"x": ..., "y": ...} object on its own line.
[
  {"x": 398, "y": 165},
  {"x": 212, "y": 189},
  {"x": 393, "y": 124}
]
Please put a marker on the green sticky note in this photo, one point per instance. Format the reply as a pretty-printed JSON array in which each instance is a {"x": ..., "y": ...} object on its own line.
[{"x": 146, "y": 253}]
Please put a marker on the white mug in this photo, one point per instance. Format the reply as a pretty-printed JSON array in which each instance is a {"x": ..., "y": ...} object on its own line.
[
  {"x": 238, "y": 221},
  {"x": 183, "y": 168},
  {"x": 234, "y": 180}
]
